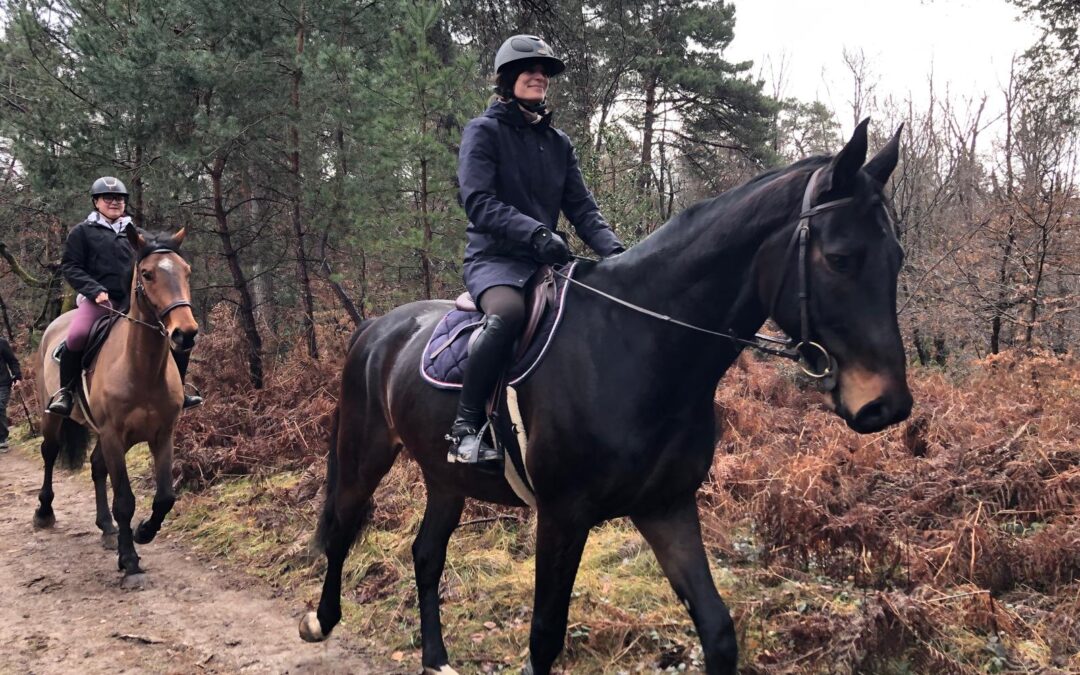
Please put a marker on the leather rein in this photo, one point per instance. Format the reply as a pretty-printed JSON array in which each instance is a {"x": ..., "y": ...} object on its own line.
[{"x": 800, "y": 241}]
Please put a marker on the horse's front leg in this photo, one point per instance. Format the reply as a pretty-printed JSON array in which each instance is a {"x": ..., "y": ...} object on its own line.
[
  {"x": 104, "y": 520},
  {"x": 674, "y": 533},
  {"x": 113, "y": 451},
  {"x": 164, "y": 497},
  {"x": 559, "y": 544},
  {"x": 429, "y": 556}
]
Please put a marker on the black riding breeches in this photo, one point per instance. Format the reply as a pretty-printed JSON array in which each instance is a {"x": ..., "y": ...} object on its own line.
[{"x": 508, "y": 303}]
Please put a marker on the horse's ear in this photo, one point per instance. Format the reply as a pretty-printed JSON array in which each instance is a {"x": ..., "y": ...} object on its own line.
[
  {"x": 840, "y": 175},
  {"x": 883, "y": 163},
  {"x": 178, "y": 238},
  {"x": 134, "y": 237}
]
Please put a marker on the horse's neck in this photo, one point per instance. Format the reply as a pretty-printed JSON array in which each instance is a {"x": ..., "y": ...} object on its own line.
[
  {"x": 146, "y": 348},
  {"x": 699, "y": 272}
]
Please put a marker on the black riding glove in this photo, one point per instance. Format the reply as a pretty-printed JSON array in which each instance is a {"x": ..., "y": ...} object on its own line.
[{"x": 550, "y": 248}]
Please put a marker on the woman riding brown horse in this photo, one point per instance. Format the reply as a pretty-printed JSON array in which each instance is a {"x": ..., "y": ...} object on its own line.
[{"x": 134, "y": 395}]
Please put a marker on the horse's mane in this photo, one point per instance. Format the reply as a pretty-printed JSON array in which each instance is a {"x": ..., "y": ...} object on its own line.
[{"x": 743, "y": 191}]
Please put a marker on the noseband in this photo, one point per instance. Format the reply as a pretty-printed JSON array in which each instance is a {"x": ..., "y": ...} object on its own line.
[{"x": 800, "y": 239}]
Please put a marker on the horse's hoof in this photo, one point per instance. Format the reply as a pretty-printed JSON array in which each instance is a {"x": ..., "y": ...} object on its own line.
[
  {"x": 44, "y": 521},
  {"x": 310, "y": 630},
  {"x": 441, "y": 670},
  {"x": 109, "y": 541},
  {"x": 133, "y": 582},
  {"x": 143, "y": 534}
]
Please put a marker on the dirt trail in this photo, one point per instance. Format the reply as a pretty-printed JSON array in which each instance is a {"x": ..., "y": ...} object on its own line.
[{"x": 62, "y": 609}]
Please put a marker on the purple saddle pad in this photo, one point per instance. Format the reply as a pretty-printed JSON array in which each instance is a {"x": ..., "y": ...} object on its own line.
[{"x": 447, "y": 351}]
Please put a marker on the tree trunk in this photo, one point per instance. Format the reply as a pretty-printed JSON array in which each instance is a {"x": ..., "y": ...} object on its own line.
[
  {"x": 247, "y": 309},
  {"x": 1003, "y": 269},
  {"x": 648, "y": 122},
  {"x": 425, "y": 255},
  {"x": 138, "y": 214},
  {"x": 298, "y": 229}
]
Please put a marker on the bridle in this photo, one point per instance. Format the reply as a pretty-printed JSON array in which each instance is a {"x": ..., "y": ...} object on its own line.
[
  {"x": 800, "y": 240},
  {"x": 148, "y": 306}
]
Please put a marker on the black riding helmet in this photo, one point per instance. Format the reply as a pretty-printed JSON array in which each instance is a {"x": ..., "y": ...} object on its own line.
[
  {"x": 107, "y": 185},
  {"x": 528, "y": 48},
  {"x": 514, "y": 56}
]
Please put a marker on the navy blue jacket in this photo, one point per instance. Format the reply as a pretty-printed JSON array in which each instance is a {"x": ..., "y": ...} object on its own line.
[{"x": 516, "y": 177}]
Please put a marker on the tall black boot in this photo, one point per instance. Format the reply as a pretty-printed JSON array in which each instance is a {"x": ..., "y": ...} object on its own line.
[
  {"x": 486, "y": 363},
  {"x": 190, "y": 400},
  {"x": 70, "y": 370}
]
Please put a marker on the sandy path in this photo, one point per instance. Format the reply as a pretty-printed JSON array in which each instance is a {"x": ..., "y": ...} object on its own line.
[{"x": 62, "y": 609}]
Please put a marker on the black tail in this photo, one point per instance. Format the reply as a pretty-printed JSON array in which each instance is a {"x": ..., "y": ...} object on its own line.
[
  {"x": 328, "y": 519},
  {"x": 74, "y": 439}
]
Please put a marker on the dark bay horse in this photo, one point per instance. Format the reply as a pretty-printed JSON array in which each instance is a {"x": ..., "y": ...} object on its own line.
[
  {"x": 135, "y": 396},
  {"x": 620, "y": 413}
]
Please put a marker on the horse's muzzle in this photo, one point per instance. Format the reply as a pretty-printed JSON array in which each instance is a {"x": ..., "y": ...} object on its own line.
[
  {"x": 884, "y": 411},
  {"x": 183, "y": 340}
]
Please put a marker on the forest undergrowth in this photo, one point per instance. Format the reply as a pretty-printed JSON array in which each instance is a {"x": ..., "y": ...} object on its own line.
[{"x": 950, "y": 543}]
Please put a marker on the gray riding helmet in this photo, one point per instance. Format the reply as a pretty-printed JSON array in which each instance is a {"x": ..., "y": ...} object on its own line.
[
  {"x": 107, "y": 185},
  {"x": 528, "y": 47}
]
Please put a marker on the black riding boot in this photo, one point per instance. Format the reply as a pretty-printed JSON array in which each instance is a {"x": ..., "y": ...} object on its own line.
[
  {"x": 190, "y": 400},
  {"x": 70, "y": 370},
  {"x": 487, "y": 359}
]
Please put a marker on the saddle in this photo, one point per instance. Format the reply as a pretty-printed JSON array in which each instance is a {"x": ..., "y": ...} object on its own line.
[
  {"x": 98, "y": 332},
  {"x": 444, "y": 358}
]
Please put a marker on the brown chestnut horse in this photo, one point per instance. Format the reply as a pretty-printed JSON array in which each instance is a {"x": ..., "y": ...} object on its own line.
[
  {"x": 620, "y": 413},
  {"x": 135, "y": 396}
]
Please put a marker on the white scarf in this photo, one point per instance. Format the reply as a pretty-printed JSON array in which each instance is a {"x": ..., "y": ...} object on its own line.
[{"x": 116, "y": 226}]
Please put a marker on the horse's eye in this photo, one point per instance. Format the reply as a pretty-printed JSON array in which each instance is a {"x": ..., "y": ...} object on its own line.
[
  {"x": 147, "y": 275},
  {"x": 841, "y": 264}
]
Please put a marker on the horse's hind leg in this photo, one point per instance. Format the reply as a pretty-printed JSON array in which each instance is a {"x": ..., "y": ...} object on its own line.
[
  {"x": 429, "y": 556},
  {"x": 104, "y": 519},
  {"x": 675, "y": 537},
  {"x": 50, "y": 450},
  {"x": 359, "y": 458},
  {"x": 164, "y": 497}
]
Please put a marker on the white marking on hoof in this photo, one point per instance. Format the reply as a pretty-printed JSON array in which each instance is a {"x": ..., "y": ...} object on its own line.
[
  {"x": 441, "y": 670},
  {"x": 310, "y": 630}
]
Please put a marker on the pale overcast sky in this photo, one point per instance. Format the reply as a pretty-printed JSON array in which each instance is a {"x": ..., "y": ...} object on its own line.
[{"x": 967, "y": 43}]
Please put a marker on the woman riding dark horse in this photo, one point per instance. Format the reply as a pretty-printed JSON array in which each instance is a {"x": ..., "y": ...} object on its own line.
[
  {"x": 517, "y": 172},
  {"x": 97, "y": 263},
  {"x": 619, "y": 414}
]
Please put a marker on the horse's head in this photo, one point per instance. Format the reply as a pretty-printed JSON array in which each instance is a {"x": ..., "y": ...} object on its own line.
[
  {"x": 839, "y": 290},
  {"x": 161, "y": 289}
]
